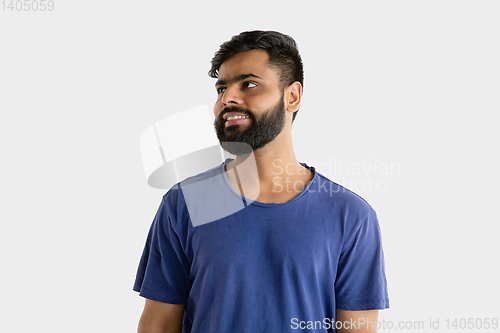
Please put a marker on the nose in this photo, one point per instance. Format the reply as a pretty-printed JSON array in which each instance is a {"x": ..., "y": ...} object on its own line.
[{"x": 232, "y": 96}]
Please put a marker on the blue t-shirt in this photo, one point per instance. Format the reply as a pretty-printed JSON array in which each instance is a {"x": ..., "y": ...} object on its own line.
[{"x": 246, "y": 266}]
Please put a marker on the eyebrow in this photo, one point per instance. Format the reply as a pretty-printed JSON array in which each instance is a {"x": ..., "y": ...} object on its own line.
[{"x": 224, "y": 82}]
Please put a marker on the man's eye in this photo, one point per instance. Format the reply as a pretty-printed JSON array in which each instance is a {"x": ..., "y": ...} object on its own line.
[
  {"x": 220, "y": 90},
  {"x": 249, "y": 85}
]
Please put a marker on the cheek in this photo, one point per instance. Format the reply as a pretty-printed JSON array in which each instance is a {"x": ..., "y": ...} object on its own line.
[
  {"x": 217, "y": 108},
  {"x": 218, "y": 101}
]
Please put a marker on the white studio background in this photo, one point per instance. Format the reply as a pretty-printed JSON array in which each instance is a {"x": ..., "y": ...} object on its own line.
[{"x": 399, "y": 103}]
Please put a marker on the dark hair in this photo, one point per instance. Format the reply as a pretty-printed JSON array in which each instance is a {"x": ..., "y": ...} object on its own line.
[{"x": 282, "y": 50}]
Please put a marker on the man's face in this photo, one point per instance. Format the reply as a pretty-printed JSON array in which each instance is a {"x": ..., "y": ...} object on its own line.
[{"x": 250, "y": 107}]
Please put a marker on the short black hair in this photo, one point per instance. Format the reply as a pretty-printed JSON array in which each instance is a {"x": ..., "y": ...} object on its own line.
[{"x": 282, "y": 50}]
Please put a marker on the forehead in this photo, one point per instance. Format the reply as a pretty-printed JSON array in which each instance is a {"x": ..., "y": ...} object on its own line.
[{"x": 255, "y": 62}]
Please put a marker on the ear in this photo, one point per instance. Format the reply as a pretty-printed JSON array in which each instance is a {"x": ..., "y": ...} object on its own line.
[{"x": 293, "y": 95}]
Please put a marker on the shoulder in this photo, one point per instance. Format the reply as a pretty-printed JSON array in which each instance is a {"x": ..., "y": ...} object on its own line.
[
  {"x": 176, "y": 191},
  {"x": 191, "y": 191},
  {"x": 355, "y": 216},
  {"x": 339, "y": 197},
  {"x": 347, "y": 209}
]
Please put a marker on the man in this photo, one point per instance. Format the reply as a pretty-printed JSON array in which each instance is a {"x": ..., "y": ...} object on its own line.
[{"x": 300, "y": 253}]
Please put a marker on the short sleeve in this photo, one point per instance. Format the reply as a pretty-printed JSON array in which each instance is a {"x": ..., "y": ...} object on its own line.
[
  {"x": 163, "y": 273},
  {"x": 361, "y": 283}
]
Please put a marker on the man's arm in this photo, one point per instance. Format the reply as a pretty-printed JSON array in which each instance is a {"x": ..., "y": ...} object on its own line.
[
  {"x": 159, "y": 317},
  {"x": 357, "y": 321}
]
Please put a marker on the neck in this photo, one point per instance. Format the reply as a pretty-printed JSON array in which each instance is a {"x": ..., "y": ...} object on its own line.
[{"x": 269, "y": 174}]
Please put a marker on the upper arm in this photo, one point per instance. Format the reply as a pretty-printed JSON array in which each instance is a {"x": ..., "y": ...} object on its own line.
[
  {"x": 361, "y": 321},
  {"x": 360, "y": 282},
  {"x": 161, "y": 317}
]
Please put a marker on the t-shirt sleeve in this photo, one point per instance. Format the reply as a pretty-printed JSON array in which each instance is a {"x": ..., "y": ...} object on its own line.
[
  {"x": 361, "y": 283},
  {"x": 163, "y": 273}
]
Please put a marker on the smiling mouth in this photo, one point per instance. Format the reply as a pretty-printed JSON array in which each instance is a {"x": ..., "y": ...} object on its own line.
[
  {"x": 236, "y": 120},
  {"x": 236, "y": 117}
]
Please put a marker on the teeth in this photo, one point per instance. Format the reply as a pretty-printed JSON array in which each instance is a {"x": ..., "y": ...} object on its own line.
[{"x": 236, "y": 117}]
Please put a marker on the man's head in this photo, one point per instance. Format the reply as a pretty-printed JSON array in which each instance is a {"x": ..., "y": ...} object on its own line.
[
  {"x": 282, "y": 50},
  {"x": 260, "y": 76}
]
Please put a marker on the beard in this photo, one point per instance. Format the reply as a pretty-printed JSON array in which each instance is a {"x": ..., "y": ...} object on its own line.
[{"x": 259, "y": 133}]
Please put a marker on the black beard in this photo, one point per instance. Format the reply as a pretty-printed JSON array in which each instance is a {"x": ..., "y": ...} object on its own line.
[{"x": 258, "y": 134}]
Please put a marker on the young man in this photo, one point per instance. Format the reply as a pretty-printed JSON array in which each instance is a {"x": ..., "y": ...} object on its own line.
[{"x": 262, "y": 243}]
